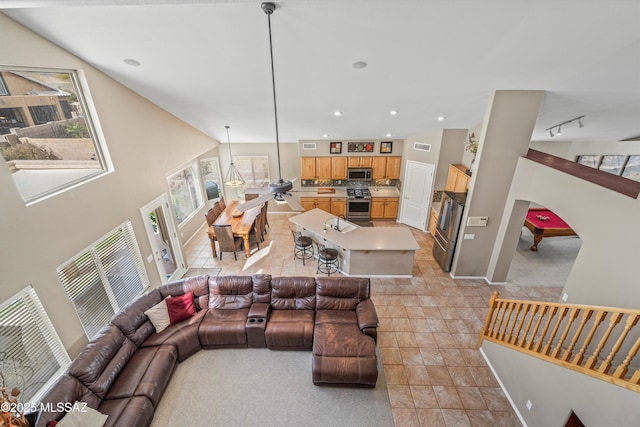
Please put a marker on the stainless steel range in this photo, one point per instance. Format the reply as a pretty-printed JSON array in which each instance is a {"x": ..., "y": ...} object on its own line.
[{"x": 358, "y": 203}]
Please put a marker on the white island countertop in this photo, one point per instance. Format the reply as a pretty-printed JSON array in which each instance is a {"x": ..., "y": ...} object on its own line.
[{"x": 360, "y": 238}]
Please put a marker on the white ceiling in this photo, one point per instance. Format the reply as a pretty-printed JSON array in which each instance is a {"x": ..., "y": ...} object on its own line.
[{"x": 207, "y": 62}]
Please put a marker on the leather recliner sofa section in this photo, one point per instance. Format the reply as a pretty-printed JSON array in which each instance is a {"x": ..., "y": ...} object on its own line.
[{"x": 124, "y": 371}]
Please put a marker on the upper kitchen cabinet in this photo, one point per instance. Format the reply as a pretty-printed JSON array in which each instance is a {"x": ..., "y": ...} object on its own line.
[
  {"x": 457, "y": 180},
  {"x": 339, "y": 167},
  {"x": 316, "y": 168},
  {"x": 386, "y": 167},
  {"x": 360, "y": 162}
]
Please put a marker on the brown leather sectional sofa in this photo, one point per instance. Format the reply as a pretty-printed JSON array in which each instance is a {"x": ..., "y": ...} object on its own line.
[{"x": 124, "y": 371}]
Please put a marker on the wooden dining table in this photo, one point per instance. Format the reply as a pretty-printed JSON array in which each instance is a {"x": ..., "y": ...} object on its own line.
[{"x": 241, "y": 226}]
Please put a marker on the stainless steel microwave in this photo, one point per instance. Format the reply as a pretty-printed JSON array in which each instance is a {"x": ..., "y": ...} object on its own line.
[{"x": 359, "y": 174}]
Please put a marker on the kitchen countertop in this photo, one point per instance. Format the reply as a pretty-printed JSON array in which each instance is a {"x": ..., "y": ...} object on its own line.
[
  {"x": 342, "y": 192},
  {"x": 359, "y": 239}
]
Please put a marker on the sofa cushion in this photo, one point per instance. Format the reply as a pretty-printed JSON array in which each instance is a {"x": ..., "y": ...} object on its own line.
[
  {"x": 336, "y": 316},
  {"x": 87, "y": 417},
  {"x": 132, "y": 320},
  {"x": 261, "y": 288},
  {"x": 358, "y": 371},
  {"x": 180, "y": 307},
  {"x": 159, "y": 316},
  {"x": 147, "y": 374},
  {"x": 342, "y": 340},
  {"x": 100, "y": 362},
  {"x": 199, "y": 285},
  {"x": 183, "y": 336},
  {"x": 293, "y": 293},
  {"x": 129, "y": 411},
  {"x": 340, "y": 293},
  {"x": 224, "y": 328},
  {"x": 230, "y": 292},
  {"x": 66, "y": 390},
  {"x": 290, "y": 330}
]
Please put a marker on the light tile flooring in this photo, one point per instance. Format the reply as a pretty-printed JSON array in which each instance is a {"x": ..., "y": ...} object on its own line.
[{"x": 429, "y": 326}]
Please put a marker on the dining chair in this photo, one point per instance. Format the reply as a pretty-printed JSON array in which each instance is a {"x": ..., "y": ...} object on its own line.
[
  {"x": 226, "y": 241},
  {"x": 213, "y": 213},
  {"x": 248, "y": 197},
  {"x": 265, "y": 221},
  {"x": 222, "y": 204},
  {"x": 255, "y": 237}
]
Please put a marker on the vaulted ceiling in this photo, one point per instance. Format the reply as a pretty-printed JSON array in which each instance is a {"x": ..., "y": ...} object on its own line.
[{"x": 207, "y": 62}]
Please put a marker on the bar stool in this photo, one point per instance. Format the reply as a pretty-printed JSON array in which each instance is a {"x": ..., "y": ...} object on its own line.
[
  {"x": 327, "y": 260},
  {"x": 303, "y": 246}
]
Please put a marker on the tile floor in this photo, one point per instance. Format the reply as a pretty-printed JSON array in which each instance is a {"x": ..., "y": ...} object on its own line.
[{"x": 429, "y": 326}]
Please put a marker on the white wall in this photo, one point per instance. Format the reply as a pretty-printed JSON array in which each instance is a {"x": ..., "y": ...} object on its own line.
[{"x": 145, "y": 144}]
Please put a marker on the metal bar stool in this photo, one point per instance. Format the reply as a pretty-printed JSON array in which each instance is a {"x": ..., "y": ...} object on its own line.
[
  {"x": 327, "y": 260},
  {"x": 303, "y": 246}
]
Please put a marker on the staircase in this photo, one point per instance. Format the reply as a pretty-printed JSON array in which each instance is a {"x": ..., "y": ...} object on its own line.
[{"x": 602, "y": 342}]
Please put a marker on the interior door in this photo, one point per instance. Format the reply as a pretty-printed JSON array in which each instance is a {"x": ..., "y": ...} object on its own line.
[
  {"x": 163, "y": 239},
  {"x": 416, "y": 194}
]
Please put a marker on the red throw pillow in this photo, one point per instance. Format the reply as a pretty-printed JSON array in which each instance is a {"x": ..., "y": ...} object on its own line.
[{"x": 181, "y": 307}]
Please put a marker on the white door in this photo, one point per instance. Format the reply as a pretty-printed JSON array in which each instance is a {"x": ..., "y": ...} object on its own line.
[
  {"x": 163, "y": 238},
  {"x": 416, "y": 194}
]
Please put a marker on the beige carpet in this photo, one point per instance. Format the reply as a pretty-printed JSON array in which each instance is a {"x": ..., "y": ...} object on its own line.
[{"x": 260, "y": 387}]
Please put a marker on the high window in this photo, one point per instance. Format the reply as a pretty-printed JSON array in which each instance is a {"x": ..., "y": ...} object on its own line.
[
  {"x": 104, "y": 278},
  {"x": 31, "y": 354},
  {"x": 186, "y": 193},
  {"x": 48, "y": 138}
]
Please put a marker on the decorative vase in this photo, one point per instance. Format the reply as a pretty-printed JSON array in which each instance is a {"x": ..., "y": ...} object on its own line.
[{"x": 473, "y": 165}]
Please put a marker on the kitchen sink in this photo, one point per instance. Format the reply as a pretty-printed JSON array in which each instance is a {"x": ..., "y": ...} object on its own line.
[{"x": 345, "y": 226}]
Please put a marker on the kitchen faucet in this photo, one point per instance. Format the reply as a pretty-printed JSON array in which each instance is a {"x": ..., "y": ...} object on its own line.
[{"x": 338, "y": 221}]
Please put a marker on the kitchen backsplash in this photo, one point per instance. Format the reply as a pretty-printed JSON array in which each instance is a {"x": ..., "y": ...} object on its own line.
[{"x": 344, "y": 183}]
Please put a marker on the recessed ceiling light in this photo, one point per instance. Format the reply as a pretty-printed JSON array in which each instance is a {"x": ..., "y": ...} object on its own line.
[
  {"x": 132, "y": 62},
  {"x": 393, "y": 112},
  {"x": 359, "y": 65},
  {"x": 337, "y": 113},
  {"x": 388, "y": 135},
  {"x": 326, "y": 135},
  {"x": 441, "y": 118}
]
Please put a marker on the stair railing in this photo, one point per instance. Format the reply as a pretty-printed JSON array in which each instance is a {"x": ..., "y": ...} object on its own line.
[{"x": 602, "y": 342}]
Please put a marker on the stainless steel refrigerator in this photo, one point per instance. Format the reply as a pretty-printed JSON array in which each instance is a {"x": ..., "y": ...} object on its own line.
[{"x": 448, "y": 227}]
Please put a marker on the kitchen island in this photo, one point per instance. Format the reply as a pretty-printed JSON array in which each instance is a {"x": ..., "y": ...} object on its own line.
[{"x": 363, "y": 251}]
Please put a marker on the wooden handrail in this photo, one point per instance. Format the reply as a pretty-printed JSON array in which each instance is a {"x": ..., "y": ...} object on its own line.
[{"x": 565, "y": 333}]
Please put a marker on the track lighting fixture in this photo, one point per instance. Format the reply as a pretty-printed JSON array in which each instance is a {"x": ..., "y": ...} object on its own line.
[{"x": 566, "y": 122}]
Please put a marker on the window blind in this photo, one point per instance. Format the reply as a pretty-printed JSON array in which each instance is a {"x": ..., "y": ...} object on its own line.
[
  {"x": 31, "y": 354},
  {"x": 104, "y": 278}
]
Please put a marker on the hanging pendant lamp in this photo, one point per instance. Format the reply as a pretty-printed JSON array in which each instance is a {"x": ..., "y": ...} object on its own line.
[{"x": 233, "y": 177}]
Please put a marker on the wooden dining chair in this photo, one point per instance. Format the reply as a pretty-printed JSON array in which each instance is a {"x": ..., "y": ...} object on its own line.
[
  {"x": 255, "y": 237},
  {"x": 222, "y": 204},
  {"x": 212, "y": 214},
  {"x": 226, "y": 241},
  {"x": 265, "y": 221},
  {"x": 248, "y": 197}
]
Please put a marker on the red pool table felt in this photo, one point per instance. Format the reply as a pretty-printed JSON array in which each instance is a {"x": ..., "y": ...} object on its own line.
[{"x": 553, "y": 226}]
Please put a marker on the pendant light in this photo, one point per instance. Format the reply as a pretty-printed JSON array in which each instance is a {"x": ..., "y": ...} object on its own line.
[{"x": 233, "y": 177}]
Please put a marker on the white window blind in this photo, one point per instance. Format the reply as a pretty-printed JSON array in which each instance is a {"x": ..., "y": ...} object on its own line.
[
  {"x": 31, "y": 354},
  {"x": 104, "y": 278}
]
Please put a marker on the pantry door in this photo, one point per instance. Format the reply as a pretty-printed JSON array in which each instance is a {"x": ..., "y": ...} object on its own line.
[{"x": 416, "y": 194}]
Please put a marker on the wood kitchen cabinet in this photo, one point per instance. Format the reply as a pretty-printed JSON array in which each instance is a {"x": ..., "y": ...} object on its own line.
[
  {"x": 457, "y": 180},
  {"x": 386, "y": 167},
  {"x": 323, "y": 203},
  {"x": 360, "y": 162},
  {"x": 339, "y": 167},
  {"x": 384, "y": 207},
  {"x": 339, "y": 206},
  {"x": 433, "y": 221},
  {"x": 315, "y": 168}
]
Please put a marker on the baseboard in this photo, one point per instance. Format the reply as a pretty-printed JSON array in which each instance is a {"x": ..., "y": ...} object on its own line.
[{"x": 506, "y": 393}]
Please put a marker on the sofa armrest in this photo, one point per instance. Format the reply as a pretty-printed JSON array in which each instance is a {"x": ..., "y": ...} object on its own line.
[
  {"x": 259, "y": 310},
  {"x": 367, "y": 317}
]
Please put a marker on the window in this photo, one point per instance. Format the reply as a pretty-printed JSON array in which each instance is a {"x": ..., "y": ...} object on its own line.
[
  {"x": 211, "y": 177},
  {"x": 31, "y": 354},
  {"x": 632, "y": 168},
  {"x": 622, "y": 165},
  {"x": 104, "y": 278},
  {"x": 47, "y": 136},
  {"x": 254, "y": 171},
  {"x": 186, "y": 196}
]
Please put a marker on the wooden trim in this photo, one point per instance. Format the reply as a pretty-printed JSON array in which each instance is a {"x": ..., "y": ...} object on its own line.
[{"x": 621, "y": 185}]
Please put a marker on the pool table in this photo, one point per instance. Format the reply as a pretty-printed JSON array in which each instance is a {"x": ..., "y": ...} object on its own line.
[{"x": 544, "y": 223}]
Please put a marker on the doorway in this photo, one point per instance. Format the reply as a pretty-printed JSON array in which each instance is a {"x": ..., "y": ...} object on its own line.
[
  {"x": 416, "y": 194},
  {"x": 163, "y": 239}
]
